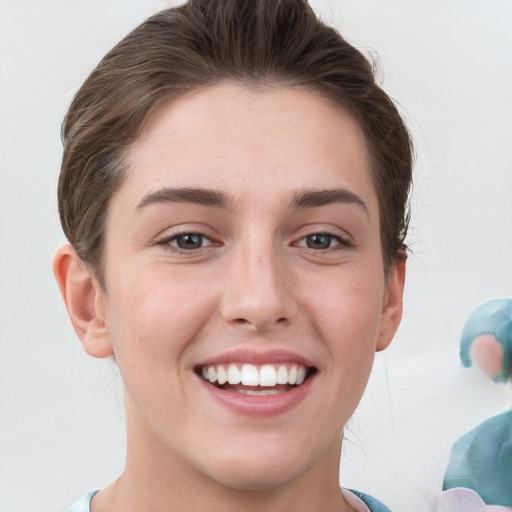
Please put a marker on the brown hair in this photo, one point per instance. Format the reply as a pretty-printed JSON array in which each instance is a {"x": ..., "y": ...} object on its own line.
[{"x": 203, "y": 43}]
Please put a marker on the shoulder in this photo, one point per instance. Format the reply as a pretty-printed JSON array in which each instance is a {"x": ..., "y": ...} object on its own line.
[
  {"x": 83, "y": 505},
  {"x": 373, "y": 504}
]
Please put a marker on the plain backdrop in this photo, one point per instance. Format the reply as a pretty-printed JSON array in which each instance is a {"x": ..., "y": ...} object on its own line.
[{"x": 448, "y": 65}]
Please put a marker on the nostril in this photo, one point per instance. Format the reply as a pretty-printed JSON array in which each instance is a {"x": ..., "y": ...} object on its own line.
[
  {"x": 280, "y": 320},
  {"x": 240, "y": 321}
]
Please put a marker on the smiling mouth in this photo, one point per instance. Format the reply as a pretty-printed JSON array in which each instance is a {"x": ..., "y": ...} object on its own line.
[{"x": 256, "y": 380}]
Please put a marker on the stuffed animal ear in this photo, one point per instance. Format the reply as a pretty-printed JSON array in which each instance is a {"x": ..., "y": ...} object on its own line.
[
  {"x": 85, "y": 301},
  {"x": 487, "y": 354}
]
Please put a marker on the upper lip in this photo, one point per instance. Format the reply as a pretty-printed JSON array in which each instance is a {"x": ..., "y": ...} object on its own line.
[{"x": 244, "y": 355}]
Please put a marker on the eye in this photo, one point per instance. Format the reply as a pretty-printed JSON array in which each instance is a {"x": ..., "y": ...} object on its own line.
[
  {"x": 187, "y": 241},
  {"x": 319, "y": 241},
  {"x": 322, "y": 241}
]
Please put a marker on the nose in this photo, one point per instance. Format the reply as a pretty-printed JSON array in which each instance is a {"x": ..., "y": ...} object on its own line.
[{"x": 258, "y": 295}]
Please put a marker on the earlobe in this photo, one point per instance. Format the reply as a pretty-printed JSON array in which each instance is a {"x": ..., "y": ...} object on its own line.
[
  {"x": 392, "y": 304},
  {"x": 83, "y": 298}
]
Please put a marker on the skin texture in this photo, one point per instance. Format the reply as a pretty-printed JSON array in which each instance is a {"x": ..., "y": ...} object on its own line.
[{"x": 254, "y": 286}]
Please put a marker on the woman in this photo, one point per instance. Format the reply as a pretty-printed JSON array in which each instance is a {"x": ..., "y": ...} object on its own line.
[{"x": 234, "y": 189}]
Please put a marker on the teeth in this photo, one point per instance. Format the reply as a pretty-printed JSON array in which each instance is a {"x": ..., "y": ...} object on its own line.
[
  {"x": 282, "y": 375},
  {"x": 233, "y": 374},
  {"x": 267, "y": 375},
  {"x": 249, "y": 375},
  {"x": 212, "y": 374},
  {"x": 222, "y": 375},
  {"x": 252, "y": 392}
]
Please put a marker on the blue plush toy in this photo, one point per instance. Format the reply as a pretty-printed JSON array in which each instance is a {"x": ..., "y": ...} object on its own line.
[{"x": 482, "y": 459}]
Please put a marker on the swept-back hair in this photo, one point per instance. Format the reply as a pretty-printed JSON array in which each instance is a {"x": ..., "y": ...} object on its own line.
[{"x": 197, "y": 45}]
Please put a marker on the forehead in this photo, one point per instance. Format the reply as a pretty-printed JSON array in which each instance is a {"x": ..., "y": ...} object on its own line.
[{"x": 238, "y": 137}]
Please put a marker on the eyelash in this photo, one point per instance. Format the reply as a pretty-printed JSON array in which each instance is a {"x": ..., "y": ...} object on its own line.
[{"x": 341, "y": 242}]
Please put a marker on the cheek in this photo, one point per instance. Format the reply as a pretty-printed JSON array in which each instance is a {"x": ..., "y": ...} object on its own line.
[
  {"x": 152, "y": 323},
  {"x": 154, "y": 317},
  {"x": 348, "y": 316},
  {"x": 349, "y": 306}
]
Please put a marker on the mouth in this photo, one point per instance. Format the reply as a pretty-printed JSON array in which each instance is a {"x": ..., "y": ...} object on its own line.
[{"x": 256, "y": 380}]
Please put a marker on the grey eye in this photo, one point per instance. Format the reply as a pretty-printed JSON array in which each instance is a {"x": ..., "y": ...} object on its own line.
[
  {"x": 189, "y": 241},
  {"x": 319, "y": 241}
]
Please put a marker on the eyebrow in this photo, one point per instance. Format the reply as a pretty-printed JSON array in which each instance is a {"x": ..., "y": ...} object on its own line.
[
  {"x": 200, "y": 196},
  {"x": 311, "y": 198},
  {"x": 302, "y": 199}
]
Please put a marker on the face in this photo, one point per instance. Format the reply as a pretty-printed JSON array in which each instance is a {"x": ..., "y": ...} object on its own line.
[{"x": 244, "y": 245}]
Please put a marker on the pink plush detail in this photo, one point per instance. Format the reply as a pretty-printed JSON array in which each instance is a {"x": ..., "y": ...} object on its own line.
[
  {"x": 460, "y": 499},
  {"x": 487, "y": 353}
]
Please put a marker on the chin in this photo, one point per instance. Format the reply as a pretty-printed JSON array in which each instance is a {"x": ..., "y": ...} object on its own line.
[
  {"x": 251, "y": 478},
  {"x": 260, "y": 469}
]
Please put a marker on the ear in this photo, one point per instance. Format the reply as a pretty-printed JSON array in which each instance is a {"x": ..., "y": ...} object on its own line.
[
  {"x": 392, "y": 305},
  {"x": 84, "y": 299}
]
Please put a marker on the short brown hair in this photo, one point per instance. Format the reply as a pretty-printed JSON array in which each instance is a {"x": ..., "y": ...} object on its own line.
[{"x": 202, "y": 43}]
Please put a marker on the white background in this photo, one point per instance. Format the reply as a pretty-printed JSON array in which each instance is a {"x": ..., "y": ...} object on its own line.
[{"x": 447, "y": 62}]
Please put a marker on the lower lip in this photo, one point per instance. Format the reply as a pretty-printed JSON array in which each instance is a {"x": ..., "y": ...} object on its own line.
[{"x": 263, "y": 405}]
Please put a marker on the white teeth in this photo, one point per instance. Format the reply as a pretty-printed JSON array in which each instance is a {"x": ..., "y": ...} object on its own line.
[
  {"x": 233, "y": 374},
  {"x": 267, "y": 375},
  {"x": 282, "y": 375},
  {"x": 301, "y": 375},
  {"x": 292, "y": 375},
  {"x": 212, "y": 374},
  {"x": 260, "y": 393},
  {"x": 222, "y": 375},
  {"x": 249, "y": 375}
]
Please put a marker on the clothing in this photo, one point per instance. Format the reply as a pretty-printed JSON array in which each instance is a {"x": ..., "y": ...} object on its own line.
[
  {"x": 372, "y": 504},
  {"x": 83, "y": 505}
]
